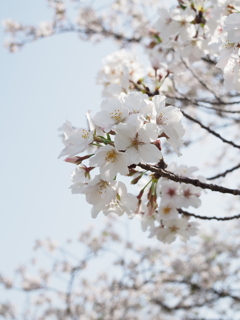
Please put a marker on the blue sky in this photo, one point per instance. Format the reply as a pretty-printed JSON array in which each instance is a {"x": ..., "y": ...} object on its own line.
[{"x": 48, "y": 82}]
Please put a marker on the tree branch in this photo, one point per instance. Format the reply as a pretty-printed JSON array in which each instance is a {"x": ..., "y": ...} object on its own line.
[
  {"x": 210, "y": 130},
  {"x": 208, "y": 218},
  {"x": 200, "y": 80},
  {"x": 195, "y": 182},
  {"x": 223, "y": 174},
  {"x": 180, "y": 305},
  {"x": 196, "y": 102},
  {"x": 87, "y": 32}
]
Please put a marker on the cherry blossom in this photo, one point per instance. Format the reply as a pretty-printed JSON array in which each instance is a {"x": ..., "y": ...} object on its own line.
[
  {"x": 113, "y": 112},
  {"x": 168, "y": 211},
  {"x": 123, "y": 201},
  {"x": 80, "y": 177},
  {"x": 111, "y": 161},
  {"x": 137, "y": 143},
  {"x": 171, "y": 229},
  {"x": 75, "y": 140}
]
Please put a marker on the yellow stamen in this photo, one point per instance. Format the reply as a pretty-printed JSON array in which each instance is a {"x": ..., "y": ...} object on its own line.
[
  {"x": 85, "y": 134},
  {"x": 116, "y": 115},
  {"x": 166, "y": 210},
  {"x": 111, "y": 156}
]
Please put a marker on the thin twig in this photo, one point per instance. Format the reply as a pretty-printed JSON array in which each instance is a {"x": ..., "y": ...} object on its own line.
[
  {"x": 200, "y": 80},
  {"x": 208, "y": 218},
  {"x": 223, "y": 174},
  {"x": 210, "y": 130},
  {"x": 219, "y": 110},
  {"x": 196, "y": 101},
  {"x": 87, "y": 32}
]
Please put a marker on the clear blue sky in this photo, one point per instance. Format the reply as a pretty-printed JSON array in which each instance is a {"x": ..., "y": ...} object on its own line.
[{"x": 48, "y": 82}]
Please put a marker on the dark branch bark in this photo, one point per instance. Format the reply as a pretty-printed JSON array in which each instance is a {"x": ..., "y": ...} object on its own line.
[
  {"x": 196, "y": 286},
  {"x": 182, "y": 306},
  {"x": 223, "y": 174},
  {"x": 208, "y": 218},
  {"x": 195, "y": 182},
  {"x": 208, "y": 60}
]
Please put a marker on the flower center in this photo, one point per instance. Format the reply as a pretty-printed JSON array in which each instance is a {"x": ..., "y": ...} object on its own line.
[
  {"x": 166, "y": 210},
  {"x": 161, "y": 120},
  {"x": 171, "y": 192},
  {"x": 111, "y": 156},
  {"x": 116, "y": 115},
  {"x": 173, "y": 229},
  {"x": 136, "y": 142},
  {"x": 85, "y": 134},
  {"x": 102, "y": 185},
  {"x": 227, "y": 45},
  {"x": 187, "y": 193}
]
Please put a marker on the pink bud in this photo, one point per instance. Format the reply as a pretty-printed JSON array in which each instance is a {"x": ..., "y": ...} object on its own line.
[
  {"x": 77, "y": 160},
  {"x": 74, "y": 160}
]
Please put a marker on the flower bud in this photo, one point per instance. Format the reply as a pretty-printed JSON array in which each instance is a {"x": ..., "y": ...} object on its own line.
[
  {"x": 135, "y": 180},
  {"x": 77, "y": 160}
]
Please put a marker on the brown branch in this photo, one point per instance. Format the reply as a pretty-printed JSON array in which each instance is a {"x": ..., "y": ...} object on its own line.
[
  {"x": 208, "y": 218},
  {"x": 195, "y": 182},
  {"x": 210, "y": 130},
  {"x": 223, "y": 174},
  {"x": 73, "y": 275},
  {"x": 181, "y": 306},
  {"x": 195, "y": 286},
  {"x": 87, "y": 32},
  {"x": 209, "y": 60}
]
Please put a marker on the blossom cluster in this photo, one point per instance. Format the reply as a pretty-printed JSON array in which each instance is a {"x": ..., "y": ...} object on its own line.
[
  {"x": 228, "y": 46},
  {"x": 118, "y": 71},
  {"x": 196, "y": 29},
  {"x": 126, "y": 133},
  {"x": 165, "y": 224},
  {"x": 191, "y": 30}
]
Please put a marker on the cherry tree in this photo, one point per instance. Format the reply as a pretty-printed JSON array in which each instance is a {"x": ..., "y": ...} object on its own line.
[
  {"x": 172, "y": 89},
  {"x": 170, "y": 92},
  {"x": 153, "y": 113}
]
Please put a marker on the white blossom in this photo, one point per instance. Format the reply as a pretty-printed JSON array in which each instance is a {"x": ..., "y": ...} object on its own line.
[
  {"x": 118, "y": 69},
  {"x": 167, "y": 211},
  {"x": 111, "y": 162},
  {"x": 80, "y": 177},
  {"x": 99, "y": 193},
  {"x": 137, "y": 143},
  {"x": 123, "y": 201},
  {"x": 171, "y": 229},
  {"x": 75, "y": 140},
  {"x": 113, "y": 112},
  {"x": 45, "y": 29}
]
